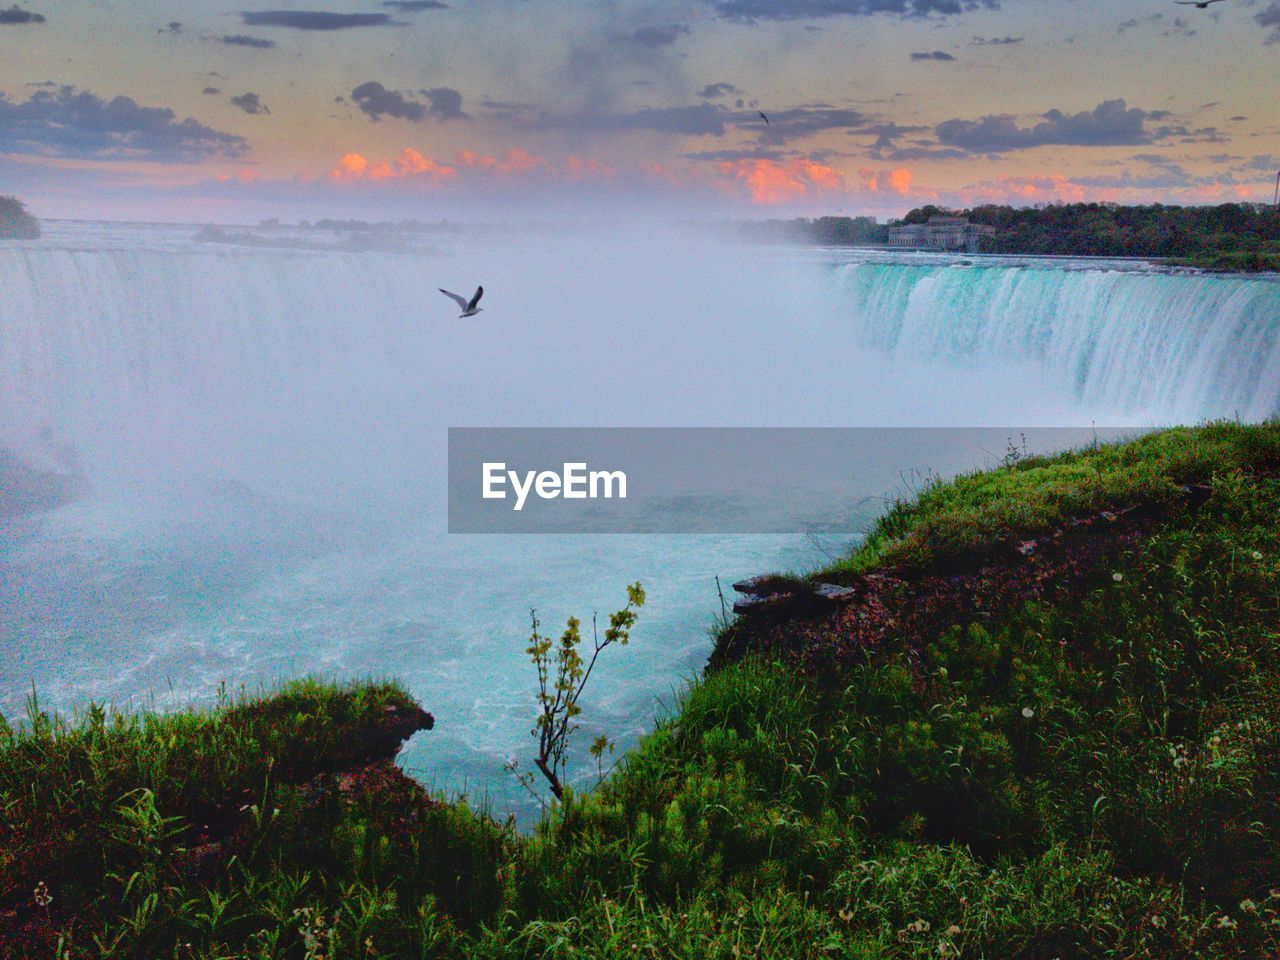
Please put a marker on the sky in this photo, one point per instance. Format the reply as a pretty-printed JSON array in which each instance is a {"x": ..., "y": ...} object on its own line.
[{"x": 491, "y": 109}]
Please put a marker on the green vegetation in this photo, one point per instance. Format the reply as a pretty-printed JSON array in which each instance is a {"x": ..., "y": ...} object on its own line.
[
  {"x": 1229, "y": 236},
  {"x": 15, "y": 222},
  {"x": 1032, "y": 494},
  {"x": 562, "y": 676},
  {"x": 1088, "y": 772},
  {"x": 1239, "y": 237}
]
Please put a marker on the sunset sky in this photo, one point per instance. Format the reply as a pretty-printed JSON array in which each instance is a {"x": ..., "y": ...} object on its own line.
[{"x": 485, "y": 108}]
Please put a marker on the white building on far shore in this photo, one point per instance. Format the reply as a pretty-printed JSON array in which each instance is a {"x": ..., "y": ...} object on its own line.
[{"x": 940, "y": 233}]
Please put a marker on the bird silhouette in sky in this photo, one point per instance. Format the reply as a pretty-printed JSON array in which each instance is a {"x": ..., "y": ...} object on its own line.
[
  {"x": 1198, "y": 4},
  {"x": 766, "y": 119},
  {"x": 468, "y": 307}
]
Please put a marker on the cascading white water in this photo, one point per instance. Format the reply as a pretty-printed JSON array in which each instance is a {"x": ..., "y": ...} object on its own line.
[
  {"x": 178, "y": 350},
  {"x": 1174, "y": 346}
]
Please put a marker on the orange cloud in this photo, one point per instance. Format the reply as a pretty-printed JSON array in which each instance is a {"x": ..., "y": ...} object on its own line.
[
  {"x": 1034, "y": 188},
  {"x": 899, "y": 180},
  {"x": 410, "y": 163},
  {"x": 243, "y": 175},
  {"x": 413, "y": 165},
  {"x": 350, "y": 166},
  {"x": 514, "y": 161},
  {"x": 580, "y": 168},
  {"x": 769, "y": 182}
]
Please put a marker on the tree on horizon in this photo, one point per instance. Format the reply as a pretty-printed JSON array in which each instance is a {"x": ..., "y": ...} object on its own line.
[{"x": 15, "y": 222}]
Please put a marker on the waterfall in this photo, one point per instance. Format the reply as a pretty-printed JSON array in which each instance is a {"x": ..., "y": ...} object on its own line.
[
  {"x": 138, "y": 344},
  {"x": 1172, "y": 346}
]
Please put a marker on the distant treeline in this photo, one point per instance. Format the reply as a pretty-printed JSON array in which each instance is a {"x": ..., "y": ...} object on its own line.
[
  {"x": 1229, "y": 236},
  {"x": 15, "y": 222}
]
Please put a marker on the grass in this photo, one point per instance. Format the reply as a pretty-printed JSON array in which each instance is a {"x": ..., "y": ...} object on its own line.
[
  {"x": 1031, "y": 494},
  {"x": 1088, "y": 773}
]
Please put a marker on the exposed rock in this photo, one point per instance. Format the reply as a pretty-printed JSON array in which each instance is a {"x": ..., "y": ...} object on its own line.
[
  {"x": 755, "y": 603},
  {"x": 835, "y": 593}
]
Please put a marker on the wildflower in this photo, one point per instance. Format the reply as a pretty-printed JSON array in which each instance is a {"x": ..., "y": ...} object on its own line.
[
  {"x": 1117, "y": 577},
  {"x": 1248, "y": 906},
  {"x": 953, "y": 931},
  {"x": 1257, "y": 554},
  {"x": 42, "y": 895},
  {"x": 845, "y": 915},
  {"x": 1226, "y": 923},
  {"x": 918, "y": 926},
  {"x": 1028, "y": 712},
  {"x": 1157, "y": 921}
]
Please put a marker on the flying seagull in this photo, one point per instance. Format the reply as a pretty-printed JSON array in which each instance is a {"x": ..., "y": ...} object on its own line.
[
  {"x": 766, "y": 119},
  {"x": 1198, "y": 4},
  {"x": 468, "y": 307}
]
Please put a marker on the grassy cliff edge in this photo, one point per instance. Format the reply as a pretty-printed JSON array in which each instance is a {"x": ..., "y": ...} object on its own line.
[{"x": 1047, "y": 727}]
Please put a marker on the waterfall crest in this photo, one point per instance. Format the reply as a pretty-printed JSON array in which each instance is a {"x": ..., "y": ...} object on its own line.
[{"x": 1172, "y": 346}]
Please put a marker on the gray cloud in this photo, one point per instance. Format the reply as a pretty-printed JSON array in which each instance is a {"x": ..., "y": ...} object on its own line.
[
  {"x": 713, "y": 91},
  {"x": 313, "y": 19},
  {"x": 77, "y": 123},
  {"x": 796, "y": 123},
  {"x": 509, "y": 111},
  {"x": 934, "y": 55},
  {"x": 241, "y": 40},
  {"x": 1111, "y": 123},
  {"x": 173, "y": 27},
  {"x": 1262, "y": 161},
  {"x": 714, "y": 120},
  {"x": 249, "y": 103},
  {"x": 752, "y": 10},
  {"x": 16, "y": 15},
  {"x": 995, "y": 41},
  {"x": 413, "y": 6},
  {"x": 376, "y": 101},
  {"x": 446, "y": 103},
  {"x": 211, "y": 91},
  {"x": 654, "y": 37},
  {"x": 885, "y": 147},
  {"x": 1270, "y": 17}
]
